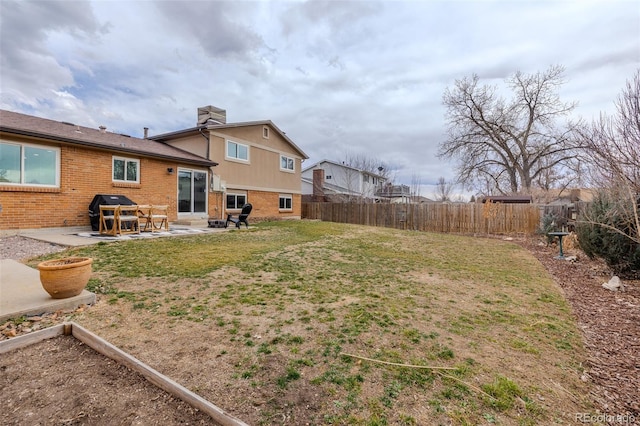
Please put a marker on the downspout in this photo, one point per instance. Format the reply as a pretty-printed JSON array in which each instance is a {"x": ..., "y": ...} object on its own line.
[
  {"x": 208, "y": 152},
  {"x": 207, "y": 139}
]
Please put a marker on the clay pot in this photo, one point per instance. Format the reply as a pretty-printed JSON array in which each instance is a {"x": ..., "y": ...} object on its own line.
[{"x": 66, "y": 277}]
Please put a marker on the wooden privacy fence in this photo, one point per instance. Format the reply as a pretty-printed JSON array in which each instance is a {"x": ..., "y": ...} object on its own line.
[{"x": 470, "y": 218}]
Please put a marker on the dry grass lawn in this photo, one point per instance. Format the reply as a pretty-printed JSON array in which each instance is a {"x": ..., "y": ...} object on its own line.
[{"x": 272, "y": 325}]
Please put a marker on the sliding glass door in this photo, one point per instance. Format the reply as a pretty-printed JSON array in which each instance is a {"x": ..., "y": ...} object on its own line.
[{"x": 192, "y": 191}]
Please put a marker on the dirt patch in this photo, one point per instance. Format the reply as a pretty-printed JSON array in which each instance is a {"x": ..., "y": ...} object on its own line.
[{"x": 61, "y": 381}]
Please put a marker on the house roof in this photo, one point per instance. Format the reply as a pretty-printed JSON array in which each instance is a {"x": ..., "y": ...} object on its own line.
[
  {"x": 330, "y": 188},
  {"x": 69, "y": 133},
  {"x": 335, "y": 163},
  {"x": 178, "y": 133},
  {"x": 564, "y": 195}
]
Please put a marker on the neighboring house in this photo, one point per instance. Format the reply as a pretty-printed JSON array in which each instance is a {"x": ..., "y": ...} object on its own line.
[
  {"x": 257, "y": 164},
  {"x": 398, "y": 194},
  {"x": 565, "y": 204},
  {"x": 419, "y": 199},
  {"x": 564, "y": 196},
  {"x": 51, "y": 170},
  {"x": 342, "y": 182}
]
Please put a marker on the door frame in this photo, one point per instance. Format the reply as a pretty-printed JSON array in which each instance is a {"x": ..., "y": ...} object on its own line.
[{"x": 191, "y": 213}]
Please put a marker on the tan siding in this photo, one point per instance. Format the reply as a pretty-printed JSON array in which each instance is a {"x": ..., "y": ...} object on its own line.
[
  {"x": 260, "y": 178},
  {"x": 194, "y": 144},
  {"x": 254, "y": 134},
  {"x": 263, "y": 169}
]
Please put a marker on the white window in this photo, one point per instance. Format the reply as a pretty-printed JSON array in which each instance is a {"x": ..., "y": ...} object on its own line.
[
  {"x": 237, "y": 151},
  {"x": 265, "y": 132},
  {"x": 236, "y": 201},
  {"x": 286, "y": 202},
  {"x": 24, "y": 164},
  {"x": 126, "y": 170},
  {"x": 287, "y": 163}
]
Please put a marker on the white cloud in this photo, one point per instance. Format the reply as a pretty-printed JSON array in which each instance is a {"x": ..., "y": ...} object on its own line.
[{"x": 337, "y": 76}]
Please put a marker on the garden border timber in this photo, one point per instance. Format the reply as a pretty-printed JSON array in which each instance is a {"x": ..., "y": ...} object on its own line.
[{"x": 107, "y": 349}]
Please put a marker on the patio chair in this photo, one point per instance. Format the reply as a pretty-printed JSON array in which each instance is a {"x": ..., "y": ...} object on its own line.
[
  {"x": 144, "y": 215},
  {"x": 159, "y": 218},
  {"x": 242, "y": 217},
  {"x": 108, "y": 215},
  {"x": 127, "y": 220}
]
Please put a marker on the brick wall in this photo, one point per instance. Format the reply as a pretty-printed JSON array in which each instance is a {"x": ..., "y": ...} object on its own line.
[
  {"x": 85, "y": 173},
  {"x": 266, "y": 205}
]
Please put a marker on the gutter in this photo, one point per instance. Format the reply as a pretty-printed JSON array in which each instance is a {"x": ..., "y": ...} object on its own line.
[{"x": 203, "y": 162}]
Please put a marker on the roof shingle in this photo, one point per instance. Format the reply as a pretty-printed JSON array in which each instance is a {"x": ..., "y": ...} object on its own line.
[{"x": 58, "y": 131}]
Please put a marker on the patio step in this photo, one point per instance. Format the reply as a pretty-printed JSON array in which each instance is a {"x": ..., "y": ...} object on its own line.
[{"x": 192, "y": 222}]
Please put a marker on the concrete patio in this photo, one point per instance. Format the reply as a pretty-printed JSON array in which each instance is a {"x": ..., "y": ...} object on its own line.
[{"x": 22, "y": 294}]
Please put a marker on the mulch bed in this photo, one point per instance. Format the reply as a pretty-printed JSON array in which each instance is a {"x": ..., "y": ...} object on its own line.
[{"x": 610, "y": 322}]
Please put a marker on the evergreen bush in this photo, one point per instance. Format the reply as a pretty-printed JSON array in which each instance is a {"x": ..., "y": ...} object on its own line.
[{"x": 603, "y": 231}]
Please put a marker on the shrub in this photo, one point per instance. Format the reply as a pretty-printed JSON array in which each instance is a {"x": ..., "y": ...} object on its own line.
[{"x": 604, "y": 231}]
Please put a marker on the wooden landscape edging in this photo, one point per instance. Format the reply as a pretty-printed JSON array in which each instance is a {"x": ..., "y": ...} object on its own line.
[
  {"x": 31, "y": 338},
  {"x": 107, "y": 349}
]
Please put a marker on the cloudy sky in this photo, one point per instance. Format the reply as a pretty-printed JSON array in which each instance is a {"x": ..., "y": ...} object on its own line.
[{"x": 339, "y": 77}]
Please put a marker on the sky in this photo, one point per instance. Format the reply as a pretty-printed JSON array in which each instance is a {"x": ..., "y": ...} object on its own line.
[{"x": 340, "y": 78}]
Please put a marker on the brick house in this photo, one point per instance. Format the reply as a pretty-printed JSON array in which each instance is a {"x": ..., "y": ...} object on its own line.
[
  {"x": 51, "y": 170},
  {"x": 257, "y": 163}
]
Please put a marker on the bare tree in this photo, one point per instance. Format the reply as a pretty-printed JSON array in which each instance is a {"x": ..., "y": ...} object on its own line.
[
  {"x": 571, "y": 174},
  {"x": 350, "y": 179},
  {"x": 613, "y": 149},
  {"x": 508, "y": 145},
  {"x": 369, "y": 164},
  {"x": 443, "y": 190},
  {"x": 360, "y": 167},
  {"x": 415, "y": 188},
  {"x": 484, "y": 185}
]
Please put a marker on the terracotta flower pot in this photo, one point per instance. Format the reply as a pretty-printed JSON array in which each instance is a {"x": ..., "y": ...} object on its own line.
[{"x": 66, "y": 277}]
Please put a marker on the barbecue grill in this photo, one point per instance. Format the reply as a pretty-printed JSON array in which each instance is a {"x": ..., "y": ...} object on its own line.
[{"x": 105, "y": 199}]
